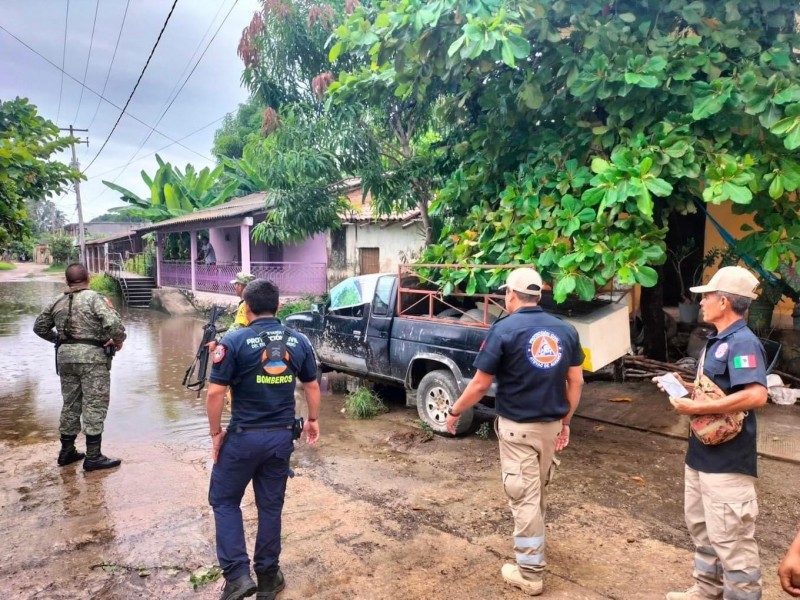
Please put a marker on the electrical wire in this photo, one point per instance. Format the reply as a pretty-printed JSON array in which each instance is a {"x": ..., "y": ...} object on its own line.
[
  {"x": 63, "y": 59},
  {"x": 188, "y": 135},
  {"x": 185, "y": 81},
  {"x": 88, "y": 59},
  {"x": 110, "y": 66},
  {"x": 135, "y": 118},
  {"x": 136, "y": 85}
]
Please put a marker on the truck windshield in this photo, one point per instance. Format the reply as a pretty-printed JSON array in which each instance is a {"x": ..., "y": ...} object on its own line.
[{"x": 354, "y": 291}]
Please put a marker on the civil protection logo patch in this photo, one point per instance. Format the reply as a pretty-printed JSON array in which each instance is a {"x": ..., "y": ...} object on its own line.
[
  {"x": 272, "y": 361},
  {"x": 544, "y": 350}
]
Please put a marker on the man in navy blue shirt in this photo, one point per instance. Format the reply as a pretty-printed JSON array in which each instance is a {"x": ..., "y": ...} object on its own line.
[
  {"x": 720, "y": 494},
  {"x": 537, "y": 360},
  {"x": 261, "y": 363}
]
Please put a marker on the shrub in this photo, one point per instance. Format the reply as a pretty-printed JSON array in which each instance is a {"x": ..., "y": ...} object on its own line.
[
  {"x": 363, "y": 404},
  {"x": 62, "y": 248},
  {"x": 296, "y": 306},
  {"x": 104, "y": 284},
  {"x": 4, "y": 266},
  {"x": 56, "y": 268}
]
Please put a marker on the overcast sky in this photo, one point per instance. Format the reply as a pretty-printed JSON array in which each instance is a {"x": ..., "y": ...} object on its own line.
[{"x": 213, "y": 90}]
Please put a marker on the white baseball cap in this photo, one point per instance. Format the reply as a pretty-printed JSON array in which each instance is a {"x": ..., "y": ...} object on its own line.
[
  {"x": 525, "y": 281},
  {"x": 733, "y": 280}
]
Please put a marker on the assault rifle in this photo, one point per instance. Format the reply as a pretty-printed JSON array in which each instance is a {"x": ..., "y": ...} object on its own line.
[{"x": 200, "y": 362}]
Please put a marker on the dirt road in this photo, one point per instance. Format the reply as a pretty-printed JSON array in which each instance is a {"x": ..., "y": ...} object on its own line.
[
  {"x": 28, "y": 271},
  {"x": 376, "y": 510}
]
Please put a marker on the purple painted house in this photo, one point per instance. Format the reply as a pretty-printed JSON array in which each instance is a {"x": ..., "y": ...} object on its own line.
[{"x": 297, "y": 269}]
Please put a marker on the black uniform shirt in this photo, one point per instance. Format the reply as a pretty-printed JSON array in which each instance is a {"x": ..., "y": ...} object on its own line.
[
  {"x": 263, "y": 391},
  {"x": 734, "y": 358},
  {"x": 529, "y": 353}
]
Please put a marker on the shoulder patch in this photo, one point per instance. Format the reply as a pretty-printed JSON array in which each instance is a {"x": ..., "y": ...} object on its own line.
[
  {"x": 219, "y": 354},
  {"x": 721, "y": 351},
  {"x": 745, "y": 361}
]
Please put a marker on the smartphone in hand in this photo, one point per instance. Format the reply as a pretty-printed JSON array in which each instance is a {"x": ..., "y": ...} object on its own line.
[{"x": 672, "y": 386}]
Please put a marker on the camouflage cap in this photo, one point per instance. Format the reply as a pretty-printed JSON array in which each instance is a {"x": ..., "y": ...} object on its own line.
[{"x": 242, "y": 278}]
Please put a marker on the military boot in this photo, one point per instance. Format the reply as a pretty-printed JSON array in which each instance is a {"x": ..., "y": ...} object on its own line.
[
  {"x": 270, "y": 584},
  {"x": 236, "y": 589},
  {"x": 95, "y": 460},
  {"x": 69, "y": 454}
]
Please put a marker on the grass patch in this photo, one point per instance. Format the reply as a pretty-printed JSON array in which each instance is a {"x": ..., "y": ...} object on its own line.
[
  {"x": 484, "y": 431},
  {"x": 104, "y": 284},
  {"x": 205, "y": 575},
  {"x": 295, "y": 307},
  {"x": 56, "y": 268},
  {"x": 4, "y": 266},
  {"x": 426, "y": 429},
  {"x": 364, "y": 404}
]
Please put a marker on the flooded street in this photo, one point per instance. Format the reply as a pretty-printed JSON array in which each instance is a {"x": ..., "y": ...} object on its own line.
[{"x": 378, "y": 510}]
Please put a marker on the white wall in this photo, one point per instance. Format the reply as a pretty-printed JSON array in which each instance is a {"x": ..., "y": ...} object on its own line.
[{"x": 393, "y": 241}]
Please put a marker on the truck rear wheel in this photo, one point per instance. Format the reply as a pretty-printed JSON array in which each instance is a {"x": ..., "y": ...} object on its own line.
[{"x": 437, "y": 392}]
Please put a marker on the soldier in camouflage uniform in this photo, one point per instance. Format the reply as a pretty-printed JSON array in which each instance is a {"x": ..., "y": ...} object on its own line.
[{"x": 87, "y": 328}]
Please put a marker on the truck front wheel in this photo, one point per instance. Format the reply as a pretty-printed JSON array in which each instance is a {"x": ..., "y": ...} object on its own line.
[{"x": 437, "y": 392}]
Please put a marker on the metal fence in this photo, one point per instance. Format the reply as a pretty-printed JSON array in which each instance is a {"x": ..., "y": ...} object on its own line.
[{"x": 293, "y": 279}]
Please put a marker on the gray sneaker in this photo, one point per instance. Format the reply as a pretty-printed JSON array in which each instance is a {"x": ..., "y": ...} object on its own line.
[{"x": 532, "y": 586}]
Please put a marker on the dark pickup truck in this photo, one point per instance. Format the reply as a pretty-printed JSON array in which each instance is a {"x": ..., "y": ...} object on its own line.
[{"x": 398, "y": 329}]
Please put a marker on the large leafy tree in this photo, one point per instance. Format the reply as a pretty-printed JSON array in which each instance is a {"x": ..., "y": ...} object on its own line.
[
  {"x": 174, "y": 193},
  {"x": 237, "y": 130},
  {"x": 28, "y": 169},
  {"x": 586, "y": 121},
  {"x": 44, "y": 217}
]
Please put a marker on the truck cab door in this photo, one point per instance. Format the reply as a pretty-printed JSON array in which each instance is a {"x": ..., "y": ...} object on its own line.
[
  {"x": 379, "y": 327},
  {"x": 342, "y": 343}
]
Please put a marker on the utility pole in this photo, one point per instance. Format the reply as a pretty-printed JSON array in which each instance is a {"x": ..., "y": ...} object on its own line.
[{"x": 76, "y": 165}]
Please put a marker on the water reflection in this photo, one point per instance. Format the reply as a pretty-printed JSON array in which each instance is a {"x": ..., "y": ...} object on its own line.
[{"x": 147, "y": 399}]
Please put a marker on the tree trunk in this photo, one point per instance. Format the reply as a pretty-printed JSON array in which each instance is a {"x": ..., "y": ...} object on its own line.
[{"x": 653, "y": 323}]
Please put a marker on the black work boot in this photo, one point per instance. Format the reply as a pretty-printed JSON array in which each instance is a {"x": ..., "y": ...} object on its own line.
[
  {"x": 95, "y": 460},
  {"x": 238, "y": 588},
  {"x": 270, "y": 584},
  {"x": 69, "y": 454}
]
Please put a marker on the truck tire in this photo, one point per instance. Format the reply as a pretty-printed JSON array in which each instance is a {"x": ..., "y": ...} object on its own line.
[{"x": 437, "y": 392}]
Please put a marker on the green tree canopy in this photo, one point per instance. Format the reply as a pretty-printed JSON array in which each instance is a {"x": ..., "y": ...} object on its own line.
[
  {"x": 237, "y": 130},
  {"x": 28, "y": 171},
  {"x": 584, "y": 121}
]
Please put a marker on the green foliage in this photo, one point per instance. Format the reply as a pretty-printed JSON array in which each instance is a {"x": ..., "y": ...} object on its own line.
[
  {"x": 28, "y": 170},
  {"x": 238, "y": 130},
  {"x": 56, "y": 268},
  {"x": 44, "y": 217},
  {"x": 104, "y": 284},
  {"x": 363, "y": 404},
  {"x": 426, "y": 428},
  {"x": 114, "y": 218},
  {"x": 22, "y": 249},
  {"x": 582, "y": 123},
  {"x": 4, "y": 266},
  {"x": 484, "y": 430},
  {"x": 204, "y": 575},
  {"x": 297, "y": 306},
  {"x": 174, "y": 193},
  {"x": 62, "y": 248}
]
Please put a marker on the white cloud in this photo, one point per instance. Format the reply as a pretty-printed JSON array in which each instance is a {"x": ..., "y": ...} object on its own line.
[{"x": 213, "y": 90}]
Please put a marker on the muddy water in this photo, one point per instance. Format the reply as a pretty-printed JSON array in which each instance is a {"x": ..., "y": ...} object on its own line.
[{"x": 148, "y": 401}]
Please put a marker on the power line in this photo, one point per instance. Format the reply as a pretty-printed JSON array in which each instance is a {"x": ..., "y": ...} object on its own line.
[
  {"x": 88, "y": 59},
  {"x": 63, "y": 59},
  {"x": 135, "y": 118},
  {"x": 108, "y": 73},
  {"x": 122, "y": 112},
  {"x": 185, "y": 81},
  {"x": 130, "y": 162}
]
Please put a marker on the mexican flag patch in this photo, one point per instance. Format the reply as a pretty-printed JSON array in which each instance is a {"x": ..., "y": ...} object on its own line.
[{"x": 746, "y": 361}]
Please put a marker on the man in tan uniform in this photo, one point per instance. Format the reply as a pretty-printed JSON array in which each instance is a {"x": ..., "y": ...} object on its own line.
[
  {"x": 87, "y": 328},
  {"x": 720, "y": 494},
  {"x": 537, "y": 360}
]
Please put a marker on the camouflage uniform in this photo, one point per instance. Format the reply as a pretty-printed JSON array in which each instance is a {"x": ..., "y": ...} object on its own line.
[{"x": 84, "y": 368}]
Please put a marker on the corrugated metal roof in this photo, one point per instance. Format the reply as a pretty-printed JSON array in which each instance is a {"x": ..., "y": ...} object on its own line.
[
  {"x": 112, "y": 238},
  {"x": 240, "y": 207},
  {"x": 366, "y": 215}
]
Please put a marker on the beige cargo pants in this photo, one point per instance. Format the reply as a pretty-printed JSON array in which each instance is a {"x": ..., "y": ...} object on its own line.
[
  {"x": 527, "y": 461},
  {"x": 721, "y": 511}
]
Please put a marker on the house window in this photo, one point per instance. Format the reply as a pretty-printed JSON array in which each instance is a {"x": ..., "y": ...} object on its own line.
[
  {"x": 339, "y": 248},
  {"x": 369, "y": 260}
]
